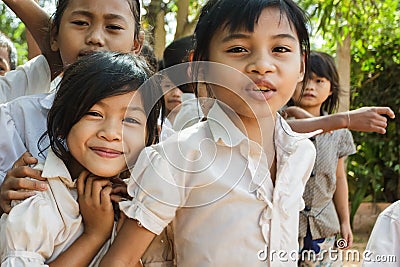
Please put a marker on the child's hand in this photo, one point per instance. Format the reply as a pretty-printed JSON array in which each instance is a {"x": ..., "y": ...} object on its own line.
[
  {"x": 16, "y": 179},
  {"x": 369, "y": 119},
  {"x": 95, "y": 205},
  {"x": 347, "y": 234}
]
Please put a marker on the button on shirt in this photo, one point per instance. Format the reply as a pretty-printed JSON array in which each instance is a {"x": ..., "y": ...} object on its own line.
[{"x": 214, "y": 184}]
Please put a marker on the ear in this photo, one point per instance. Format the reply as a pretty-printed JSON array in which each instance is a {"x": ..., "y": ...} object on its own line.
[
  {"x": 53, "y": 38},
  {"x": 138, "y": 43},
  {"x": 302, "y": 69}
]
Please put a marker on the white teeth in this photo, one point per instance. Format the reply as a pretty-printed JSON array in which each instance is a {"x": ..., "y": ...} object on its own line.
[{"x": 262, "y": 89}]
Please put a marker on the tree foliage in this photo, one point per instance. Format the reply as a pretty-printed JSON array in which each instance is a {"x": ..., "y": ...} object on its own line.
[{"x": 15, "y": 30}]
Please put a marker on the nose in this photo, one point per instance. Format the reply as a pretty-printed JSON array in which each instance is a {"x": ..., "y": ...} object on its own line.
[
  {"x": 176, "y": 92},
  {"x": 261, "y": 63},
  {"x": 95, "y": 36},
  {"x": 310, "y": 85},
  {"x": 111, "y": 131}
]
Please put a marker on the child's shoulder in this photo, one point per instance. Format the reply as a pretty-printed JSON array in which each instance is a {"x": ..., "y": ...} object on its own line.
[
  {"x": 393, "y": 211},
  {"x": 40, "y": 101},
  {"x": 185, "y": 140}
]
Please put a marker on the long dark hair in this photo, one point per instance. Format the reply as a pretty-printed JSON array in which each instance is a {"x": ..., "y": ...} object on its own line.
[{"x": 93, "y": 78}]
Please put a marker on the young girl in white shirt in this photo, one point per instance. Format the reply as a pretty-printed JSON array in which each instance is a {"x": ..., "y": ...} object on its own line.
[
  {"x": 101, "y": 118},
  {"x": 79, "y": 27},
  {"x": 232, "y": 185}
]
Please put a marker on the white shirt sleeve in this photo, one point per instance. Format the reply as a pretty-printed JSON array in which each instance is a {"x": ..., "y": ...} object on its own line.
[
  {"x": 31, "y": 78},
  {"x": 383, "y": 248},
  {"x": 11, "y": 144},
  {"x": 158, "y": 195},
  {"x": 29, "y": 234}
]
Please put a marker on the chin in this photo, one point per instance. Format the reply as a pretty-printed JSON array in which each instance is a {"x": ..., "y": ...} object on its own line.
[{"x": 106, "y": 173}]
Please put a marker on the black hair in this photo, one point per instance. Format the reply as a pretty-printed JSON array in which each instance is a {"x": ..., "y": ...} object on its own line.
[
  {"x": 147, "y": 53},
  {"x": 63, "y": 4},
  {"x": 12, "y": 51},
  {"x": 176, "y": 53},
  {"x": 93, "y": 78},
  {"x": 323, "y": 65},
  {"x": 235, "y": 15}
]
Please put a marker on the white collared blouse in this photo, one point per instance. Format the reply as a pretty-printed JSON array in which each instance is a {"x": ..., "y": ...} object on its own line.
[
  {"x": 214, "y": 184},
  {"x": 38, "y": 229}
]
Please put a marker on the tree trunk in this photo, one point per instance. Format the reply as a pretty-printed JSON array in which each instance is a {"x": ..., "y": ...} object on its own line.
[
  {"x": 181, "y": 17},
  {"x": 159, "y": 35},
  {"x": 155, "y": 18},
  {"x": 343, "y": 62}
]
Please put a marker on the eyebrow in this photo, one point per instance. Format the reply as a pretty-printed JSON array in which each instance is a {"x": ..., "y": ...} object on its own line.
[
  {"x": 135, "y": 108},
  {"x": 90, "y": 15},
  {"x": 234, "y": 36}
]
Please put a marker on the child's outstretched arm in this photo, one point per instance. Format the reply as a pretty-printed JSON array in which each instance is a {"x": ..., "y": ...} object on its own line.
[
  {"x": 129, "y": 245},
  {"x": 37, "y": 21},
  {"x": 16, "y": 180},
  {"x": 365, "y": 119},
  {"x": 341, "y": 201},
  {"x": 98, "y": 217}
]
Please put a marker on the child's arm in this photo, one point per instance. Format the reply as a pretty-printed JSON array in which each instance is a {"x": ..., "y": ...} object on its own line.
[
  {"x": 296, "y": 112},
  {"x": 129, "y": 245},
  {"x": 16, "y": 180},
  {"x": 37, "y": 21},
  {"x": 98, "y": 217},
  {"x": 341, "y": 201},
  {"x": 365, "y": 119},
  {"x": 33, "y": 48}
]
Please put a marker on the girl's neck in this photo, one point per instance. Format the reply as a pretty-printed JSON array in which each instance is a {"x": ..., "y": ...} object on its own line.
[
  {"x": 171, "y": 116},
  {"x": 262, "y": 131},
  {"x": 74, "y": 168},
  {"x": 315, "y": 110}
]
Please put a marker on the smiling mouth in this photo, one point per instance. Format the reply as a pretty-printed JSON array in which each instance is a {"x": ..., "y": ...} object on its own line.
[
  {"x": 107, "y": 153},
  {"x": 262, "y": 89}
]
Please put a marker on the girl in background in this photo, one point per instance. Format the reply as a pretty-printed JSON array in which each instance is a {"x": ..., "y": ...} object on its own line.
[
  {"x": 232, "y": 185},
  {"x": 326, "y": 213},
  {"x": 90, "y": 139}
]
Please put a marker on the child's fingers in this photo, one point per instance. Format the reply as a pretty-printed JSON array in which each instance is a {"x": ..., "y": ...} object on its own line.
[
  {"x": 80, "y": 183},
  {"x": 98, "y": 185},
  {"x": 385, "y": 111},
  {"x": 120, "y": 189},
  {"x": 105, "y": 199},
  {"x": 24, "y": 160}
]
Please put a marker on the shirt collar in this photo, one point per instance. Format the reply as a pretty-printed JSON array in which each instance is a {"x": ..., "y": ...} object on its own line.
[
  {"x": 286, "y": 138},
  {"x": 47, "y": 101},
  {"x": 54, "y": 167},
  {"x": 223, "y": 130}
]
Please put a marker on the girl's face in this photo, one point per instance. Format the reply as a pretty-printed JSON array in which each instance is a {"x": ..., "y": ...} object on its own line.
[
  {"x": 95, "y": 25},
  {"x": 4, "y": 61},
  {"x": 270, "y": 57},
  {"x": 172, "y": 95},
  {"x": 317, "y": 90},
  {"x": 95, "y": 141}
]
